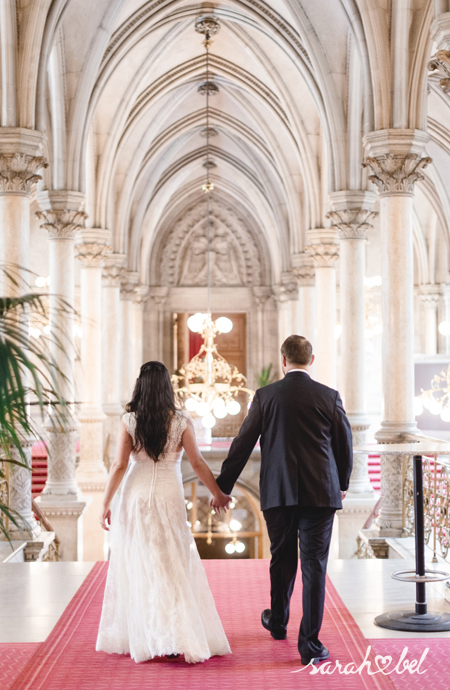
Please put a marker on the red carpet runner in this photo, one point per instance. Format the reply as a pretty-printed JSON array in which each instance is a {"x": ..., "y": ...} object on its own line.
[{"x": 68, "y": 660}]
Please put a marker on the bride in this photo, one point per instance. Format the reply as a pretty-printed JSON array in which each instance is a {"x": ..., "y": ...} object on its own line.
[{"x": 157, "y": 599}]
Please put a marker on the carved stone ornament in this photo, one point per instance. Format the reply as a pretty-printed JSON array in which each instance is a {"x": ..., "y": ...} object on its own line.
[
  {"x": 323, "y": 255},
  {"x": 207, "y": 24},
  {"x": 430, "y": 294},
  {"x": 18, "y": 172},
  {"x": 209, "y": 164},
  {"x": 62, "y": 225},
  {"x": 208, "y": 87},
  {"x": 113, "y": 270},
  {"x": 140, "y": 294},
  {"x": 287, "y": 288},
  {"x": 92, "y": 254},
  {"x": 353, "y": 224},
  {"x": 396, "y": 174},
  {"x": 441, "y": 63},
  {"x": 209, "y": 132},
  {"x": 236, "y": 254}
]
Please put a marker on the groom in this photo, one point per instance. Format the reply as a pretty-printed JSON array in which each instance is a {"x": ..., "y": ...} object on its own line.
[{"x": 306, "y": 462}]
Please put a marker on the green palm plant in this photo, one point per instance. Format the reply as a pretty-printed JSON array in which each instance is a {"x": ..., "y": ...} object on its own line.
[
  {"x": 29, "y": 376},
  {"x": 264, "y": 378}
]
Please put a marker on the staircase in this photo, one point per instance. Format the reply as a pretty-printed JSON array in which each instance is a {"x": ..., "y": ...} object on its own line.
[
  {"x": 374, "y": 472},
  {"x": 39, "y": 468}
]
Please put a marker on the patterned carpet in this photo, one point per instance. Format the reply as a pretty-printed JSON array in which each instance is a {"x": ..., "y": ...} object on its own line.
[
  {"x": 13, "y": 659},
  {"x": 67, "y": 660}
]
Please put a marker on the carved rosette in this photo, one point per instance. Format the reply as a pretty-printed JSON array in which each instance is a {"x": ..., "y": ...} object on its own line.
[
  {"x": 207, "y": 24},
  {"x": 18, "y": 172},
  {"x": 396, "y": 174},
  {"x": 352, "y": 224},
  {"x": 441, "y": 63},
  {"x": 61, "y": 225}
]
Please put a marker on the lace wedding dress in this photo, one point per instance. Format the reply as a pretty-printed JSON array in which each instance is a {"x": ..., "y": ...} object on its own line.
[{"x": 157, "y": 599}]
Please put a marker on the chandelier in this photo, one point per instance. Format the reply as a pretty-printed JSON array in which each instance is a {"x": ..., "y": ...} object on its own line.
[
  {"x": 437, "y": 398},
  {"x": 208, "y": 385}
]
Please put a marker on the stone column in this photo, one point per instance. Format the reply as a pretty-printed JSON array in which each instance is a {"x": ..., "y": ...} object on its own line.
[
  {"x": 306, "y": 278},
  {"x": 394, "y": 159},
  {"x": 20, "y": 160},
  {"x": 139, "y": 299},
  {"x": 112, "y": 350},
  {"x": 286, "y": 296},
  {"x": 61, "y": 500},
  {"x": 429, "y": 295},
  {"x": 155, "y": 315},
  {"x": 127, "y": 376},
  {"x": 260, "y": 297},
  {"x": 92, "y": 247},
  {"x": 323, "y": 247}
]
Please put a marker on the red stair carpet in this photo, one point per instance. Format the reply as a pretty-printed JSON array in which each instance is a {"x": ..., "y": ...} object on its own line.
[
  {"x": 67, "y": 660},
  {"x": 13, "y": 659}
]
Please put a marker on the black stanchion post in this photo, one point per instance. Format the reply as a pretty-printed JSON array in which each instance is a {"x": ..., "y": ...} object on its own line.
[{"x": 419, "y": 533}]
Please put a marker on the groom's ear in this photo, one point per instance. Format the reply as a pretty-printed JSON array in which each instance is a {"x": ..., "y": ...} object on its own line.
[{"x": 312, "y": 360}]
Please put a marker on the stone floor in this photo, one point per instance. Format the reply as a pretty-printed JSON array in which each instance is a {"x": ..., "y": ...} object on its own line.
[{"x": 34, "y": 595}]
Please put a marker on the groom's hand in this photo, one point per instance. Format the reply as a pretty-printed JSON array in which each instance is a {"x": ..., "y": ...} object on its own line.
[
  {"x": 219, "y": 501},
  {"x": 343, "y": 495}
]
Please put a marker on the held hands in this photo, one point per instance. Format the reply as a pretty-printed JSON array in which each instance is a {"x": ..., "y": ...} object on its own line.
[
  {"x": 343, "y": 495},
  {"x": 105, "y": 518},
  {"x": 219, "y": 501}
]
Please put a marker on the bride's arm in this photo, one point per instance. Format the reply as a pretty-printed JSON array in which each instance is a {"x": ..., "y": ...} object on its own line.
[
  {"x": 201, "y": 468},
  {"x": 118, "y": 469}
]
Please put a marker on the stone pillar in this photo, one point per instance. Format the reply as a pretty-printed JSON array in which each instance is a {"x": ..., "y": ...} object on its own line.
[
  {"x": 351, "y": 216},
  {"x": 429, "y": 295},
  {"x": 260, "y": 297},
  {"x": 20, "y": 160},
  {"x": 92, "y": 247},
  {"x": 127, "y": 375},
  {"x": 112, "y": 350},
  {"x": 139, "y": 299},
  {"x": 394, "y": 159},
  {"x": 286, "y": 296},
  {"x": 323, "y": 247},
  {"x": 306, "y": 278},
  {"x": 61, "y": 500},
  {"x": 155, "y": 310}
]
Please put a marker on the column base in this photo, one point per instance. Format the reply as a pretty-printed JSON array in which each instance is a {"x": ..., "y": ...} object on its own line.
[
  {"x": 65, "y": 517},
  {"x": 394, "y": 432},
  {"x": 348, "y": 522},
  {"x": 360, "y": 484}
]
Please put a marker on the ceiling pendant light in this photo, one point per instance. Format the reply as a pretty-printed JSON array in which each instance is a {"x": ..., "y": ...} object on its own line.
[{"x": 208, "y": 385}]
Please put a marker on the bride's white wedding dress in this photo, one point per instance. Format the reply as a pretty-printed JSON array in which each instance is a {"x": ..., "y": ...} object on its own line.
[{"x": 157, "y": 599}]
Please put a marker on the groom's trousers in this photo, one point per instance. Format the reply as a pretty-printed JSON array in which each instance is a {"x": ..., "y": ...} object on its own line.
[{"x": 312, "y": 527}]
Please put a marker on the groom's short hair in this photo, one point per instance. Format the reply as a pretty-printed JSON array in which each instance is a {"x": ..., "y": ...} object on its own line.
[{"x": 297, "y": 350}]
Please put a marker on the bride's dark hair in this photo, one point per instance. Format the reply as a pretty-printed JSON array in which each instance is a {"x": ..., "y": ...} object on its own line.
[{"x": 153, "y": 404}]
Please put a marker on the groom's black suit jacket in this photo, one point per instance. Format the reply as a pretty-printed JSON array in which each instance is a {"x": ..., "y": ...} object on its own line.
[{"x": 306, "y": 444}]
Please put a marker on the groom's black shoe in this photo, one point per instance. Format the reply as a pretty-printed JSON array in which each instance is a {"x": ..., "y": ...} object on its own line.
[
  {"x": 321, "y": 656},
  {"x": 266, "y": 620}
]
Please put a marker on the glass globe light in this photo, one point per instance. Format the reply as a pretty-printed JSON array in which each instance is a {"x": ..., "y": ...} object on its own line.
[
  {"x": 435, "y": 407},
  {"x": 224, "y": 324},
  {"x": 233, "y": 407},
  {"x": 195, "y": 322},
  {"x": 239, "y": 546},
  {"x": 209, "y": 421},
  {"x": 202, "y": 409},
  {"x": 191, "y": 404},
  {"x": 235, "y": 525},
  {"x": 230, "y": 548},
  {"x": 219, "y": 408},
  {"x": 40, "y": 281},
  {"x": 444, "y": 328},
  {"x": 47, "y": 329},
  {"x": 426, "y": 403},
  {"x": 445, "y": 414},
  {"x": 418, "y": 407}
]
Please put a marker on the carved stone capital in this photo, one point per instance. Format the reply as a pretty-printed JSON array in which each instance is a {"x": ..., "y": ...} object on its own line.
[
  {"x": 113, "y": 269},
  {"x": 394, "y": 174},
  {"x": 260, "y": 295},
  {"x": 61, "y": 225},
  {"x": 303, "y": 269},
  {"x": 429, "y": 295},
  {"x": 322, "y": 247},
  {"x": 128, "y": 284},
  {"x": 18, "y": 172},
  {"x": 158, "y": 294},
  {"x": 141, "y": 294},
  {"x": 92, "y": 246},
  {"x": 440, "y": 63},
  {"x": 352, "y": 224}
]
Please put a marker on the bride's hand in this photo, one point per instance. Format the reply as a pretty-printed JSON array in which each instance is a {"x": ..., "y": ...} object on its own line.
[
  {"x": 105, "y": 518},
  {"x": 219, "y": 501}
]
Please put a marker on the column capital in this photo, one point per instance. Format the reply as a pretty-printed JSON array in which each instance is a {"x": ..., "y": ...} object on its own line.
[
  {"x": 62, "y": 213},
  {"x": 261, "y": 295},
  {"x": 141, "y": 294},
  {"x": 303, "y": 268},
  {"x": 429, "y": 294},
  {"x": 21, "y": 156},
  {"x": 92, "y": 246},
  {"x": 113, "y": 269},
  {"x": 353, "y": 224},
  {"x": 323, "y": 247},
  {"x": 159, "y": 294},
  {"x": 440, "y": 63},
  {"x": 394, "y": 156},
  {"x": 128, "y": 284}
]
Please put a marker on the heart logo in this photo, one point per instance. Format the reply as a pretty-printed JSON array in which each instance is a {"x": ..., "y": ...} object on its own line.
[{"x": 383, "y": 662}]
